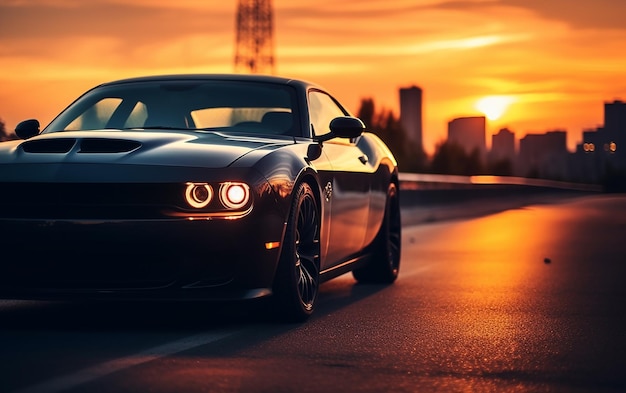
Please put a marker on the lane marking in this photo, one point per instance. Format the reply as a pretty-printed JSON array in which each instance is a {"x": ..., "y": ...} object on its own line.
[{"x": 103, "y": 369}]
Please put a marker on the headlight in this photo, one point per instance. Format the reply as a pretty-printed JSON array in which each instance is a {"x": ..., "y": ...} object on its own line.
[
  {"x": 198, "y": 195},
  {"x": 228, "y": 199},
  {"x": 234, "y": 195}
]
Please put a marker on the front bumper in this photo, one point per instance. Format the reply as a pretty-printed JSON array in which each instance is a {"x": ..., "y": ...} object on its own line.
[{"x": 175, "y": 258}]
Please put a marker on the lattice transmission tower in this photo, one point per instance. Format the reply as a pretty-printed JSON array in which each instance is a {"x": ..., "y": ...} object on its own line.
[{"x": 255, "y": 43}]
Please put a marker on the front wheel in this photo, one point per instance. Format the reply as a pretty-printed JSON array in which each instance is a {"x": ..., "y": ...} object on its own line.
[
  {"x": 384, "y": 265},
  {"x": 297, "y": 278}
]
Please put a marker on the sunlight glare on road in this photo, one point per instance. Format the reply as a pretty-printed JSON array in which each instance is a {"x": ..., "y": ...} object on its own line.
[{"x": 498, "y": 254}]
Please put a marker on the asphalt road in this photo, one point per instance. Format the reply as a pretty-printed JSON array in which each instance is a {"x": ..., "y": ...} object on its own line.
[{"x": 530, "y": 299}]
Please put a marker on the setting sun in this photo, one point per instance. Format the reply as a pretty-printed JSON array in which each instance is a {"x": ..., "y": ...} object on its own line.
[{"x": 494, "y": 106}]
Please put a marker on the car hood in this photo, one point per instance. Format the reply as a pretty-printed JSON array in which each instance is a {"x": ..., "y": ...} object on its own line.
[{"x": 154, "y": 148}]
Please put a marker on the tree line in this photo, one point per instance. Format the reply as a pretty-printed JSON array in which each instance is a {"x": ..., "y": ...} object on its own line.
[{"x": 3, "y": 132}]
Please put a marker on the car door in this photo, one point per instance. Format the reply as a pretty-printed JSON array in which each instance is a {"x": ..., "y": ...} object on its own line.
[{"x": 346, "y": 183}]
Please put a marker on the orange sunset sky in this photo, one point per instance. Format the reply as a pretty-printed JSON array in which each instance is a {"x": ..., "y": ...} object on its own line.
[{"x": 554, "y": 63}]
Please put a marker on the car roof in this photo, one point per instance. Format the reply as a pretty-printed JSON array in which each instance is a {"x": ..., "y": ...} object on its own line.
[{"x": 216, "y": 77}]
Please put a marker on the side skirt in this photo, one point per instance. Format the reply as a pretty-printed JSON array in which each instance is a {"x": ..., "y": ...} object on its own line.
[{"x": 345, "y": 267}]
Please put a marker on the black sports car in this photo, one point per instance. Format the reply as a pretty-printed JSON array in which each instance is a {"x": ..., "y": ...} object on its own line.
[{"x": 207, "y": 187}]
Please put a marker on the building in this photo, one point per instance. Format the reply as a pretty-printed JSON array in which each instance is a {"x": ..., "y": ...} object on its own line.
[
  {"x": 503, "y": 145},
  {"x": 615, "y": 117},
  {"x": 411, "y": 114},
  {"x": 614, "y": 135},
  {"x": 468, "y": 132},
  {"x": 544, "y": 155},
  {"x": 604, "y": 148}
]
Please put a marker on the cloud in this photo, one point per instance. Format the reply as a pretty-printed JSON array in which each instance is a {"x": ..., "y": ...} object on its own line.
[
  {"x": 193, "y": 4},
  {"x": 60, "y": 38},
  {"x": 580, "y": 14},
  {"x": 135, "y": 23}
]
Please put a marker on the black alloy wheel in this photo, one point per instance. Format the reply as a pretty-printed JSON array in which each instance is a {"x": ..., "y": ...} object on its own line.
[
  {"x": 297, "y": 280},
  {"x": 384, "y": 266}
]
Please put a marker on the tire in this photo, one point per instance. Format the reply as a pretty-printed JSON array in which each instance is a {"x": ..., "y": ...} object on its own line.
[
  {"x": 297, "y": 279},
  {"x": 384, "y": 265}
]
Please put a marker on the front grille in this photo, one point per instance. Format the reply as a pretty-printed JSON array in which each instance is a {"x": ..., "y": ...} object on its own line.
[
  {"x": 95, "y": 285},
  {"x": 87, "y": 201}
]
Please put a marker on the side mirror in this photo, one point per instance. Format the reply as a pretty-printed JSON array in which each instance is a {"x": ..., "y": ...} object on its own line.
[
  {"x": 27, "y": 129},
  {"x": 344, "y": 127}
]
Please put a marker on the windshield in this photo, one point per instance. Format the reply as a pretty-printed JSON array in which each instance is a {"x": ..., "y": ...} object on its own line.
[{"x": 236, "y": 106}]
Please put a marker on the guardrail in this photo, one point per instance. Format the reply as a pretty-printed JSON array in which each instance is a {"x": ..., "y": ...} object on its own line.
[
  {"x": 418, "y": 181},
  {"x": 429, "y": 197}
]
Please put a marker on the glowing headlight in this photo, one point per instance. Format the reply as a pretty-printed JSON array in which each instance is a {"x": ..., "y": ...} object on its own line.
[
  {"x": 198, "y": 195},
  {"x": 234, "y": 195}
]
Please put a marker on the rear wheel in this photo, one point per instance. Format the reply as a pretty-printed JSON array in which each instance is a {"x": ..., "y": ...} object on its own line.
[
  {"x": 297, "y": 279},
  {"x": 384, "y": 266}
]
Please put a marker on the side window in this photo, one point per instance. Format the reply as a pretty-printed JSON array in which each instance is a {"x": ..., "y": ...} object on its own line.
[{"x": 322, "y": 109}]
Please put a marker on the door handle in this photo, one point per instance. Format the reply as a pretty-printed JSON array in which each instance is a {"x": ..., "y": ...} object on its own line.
[{"x": 363, "y": 159}]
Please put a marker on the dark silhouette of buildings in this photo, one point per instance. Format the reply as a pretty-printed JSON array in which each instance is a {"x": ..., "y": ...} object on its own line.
[
  {"x": 468, "y": 132},
  {"x": 600, "y": 156},
  {"x": 543, "y": 155},
  {"x": 502, "y": 145},
  {"x": 411, "y": 114},
  {"x": 602, "y": 152},
  {"x": 615, "y": 118}
]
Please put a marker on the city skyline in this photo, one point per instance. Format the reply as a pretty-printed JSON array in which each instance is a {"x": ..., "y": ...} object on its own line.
[
  {"x": 546, "y": 65},
  {"x": 458, "y": 126},
  {"x": 598, "y": 155}
]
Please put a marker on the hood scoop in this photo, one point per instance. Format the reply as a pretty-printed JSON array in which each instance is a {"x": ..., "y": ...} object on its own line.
[
  {"x": 87, "y": 145},
  {"x": 56, "y": 145},
  {"x": 102, "y": 145}
]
